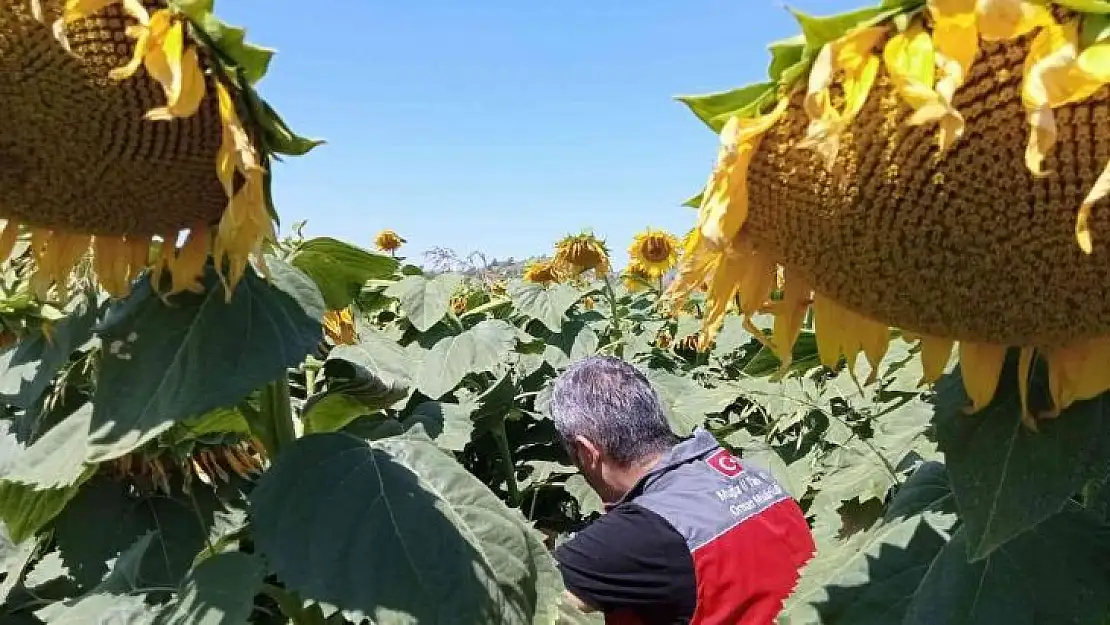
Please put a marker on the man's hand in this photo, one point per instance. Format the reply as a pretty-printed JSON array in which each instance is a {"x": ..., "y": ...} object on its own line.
[{"x": 575, "y": 601}]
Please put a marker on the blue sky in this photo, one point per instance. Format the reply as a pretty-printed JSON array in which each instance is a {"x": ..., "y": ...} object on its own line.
[{"x": 500, "y": 126}]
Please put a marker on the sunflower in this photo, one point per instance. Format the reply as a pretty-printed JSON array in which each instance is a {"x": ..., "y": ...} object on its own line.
[
  {"x": 149, "y": 139},
  {"x": 577, "y": 254},
  {"x": 388, "y": 241},
  {"x": 932, "y": 167},
  {"x": 635, "y": 277},
  {"x": 161, "y": 470},
  {"x": 541, "y": 272},
  {"x": 656, "y": 251},
  {"x": 339, "y": 326}
]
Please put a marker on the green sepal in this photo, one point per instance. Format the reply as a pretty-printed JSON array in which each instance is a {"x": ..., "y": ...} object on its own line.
[
  {"x": 786, "y": 54},
  {"x": 279, "y": 137},
  {"x": 1084, "y": 6},
  {"x": 820, "y": 30},
  {"x": 715, "y": 109},
  {"x": 253, "y": 61},
  {"x": 1095, "y": 28},
  {"x": 694, "y": 202}
]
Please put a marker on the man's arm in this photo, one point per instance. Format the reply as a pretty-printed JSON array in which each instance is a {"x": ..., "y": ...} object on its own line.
[
  {"x": 629, "y": 559},
  {"x": 578, "y": 603}
]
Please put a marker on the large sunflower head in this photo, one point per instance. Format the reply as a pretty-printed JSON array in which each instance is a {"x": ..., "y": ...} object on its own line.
[
  {"x": 153, "y": 137},
  {"x": 541, "y": 272},
  {"x": 656, "y": 251},
  {"x": 579, "y": 253},
  {"x": 937, "y": 166},
  {"x": 388, "y": 241}
]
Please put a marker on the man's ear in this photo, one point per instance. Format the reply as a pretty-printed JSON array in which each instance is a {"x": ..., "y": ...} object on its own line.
[{"x": 589, "y": 454}]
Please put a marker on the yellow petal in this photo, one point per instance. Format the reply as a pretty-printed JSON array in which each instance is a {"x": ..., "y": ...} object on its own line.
[
  {"x": 1001, "y": 20},
  {"x": 935, "y": 354},
  {"x": 790, "y": 314},
  {"x": 841, "y": 331},
  {"x": 1078, "y": 372},
  {"x": 1025, "y": 367},
  {"x": 853, "y": 59},
  {"x": 724, "y": 208},
  {"x": 980, "y": 366},
  {"x": 81, "y": 9}
]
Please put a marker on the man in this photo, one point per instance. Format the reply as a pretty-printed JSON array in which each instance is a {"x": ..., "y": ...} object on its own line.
[{"x": 691, "y": 534}]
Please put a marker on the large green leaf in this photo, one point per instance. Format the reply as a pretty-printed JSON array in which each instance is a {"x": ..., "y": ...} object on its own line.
[
  {"x": 37, "y": 482},
  {"x": 165, "y": 362},
  {"x": 375, "y": 357},
  {"x": 483, "y": 348},
  {"x": 1057, "y": 572},
  {"x": 396, "y": 531},
  {"x": 548, "y": 305},
  {"x": 686, "y": 401},
  {"x": 103, "y": 519},
  {"x": 113, "y": 600},
  {"x": 576, "y": 340},
  {"x": 219, "y": 591},
  {"x": 588, "y": 500},
  {"x": 424, "y": 302},
  {"x": 448, "y": 423},
  {"x": 1007, "y": 479},
  {"x": 27, "y": 368},
  {"x": 340, "y": 269},
  {"x": 361, "y": 379}
]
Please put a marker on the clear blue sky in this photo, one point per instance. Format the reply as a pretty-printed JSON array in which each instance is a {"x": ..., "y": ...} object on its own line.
[{"x": 500, "y": 126}]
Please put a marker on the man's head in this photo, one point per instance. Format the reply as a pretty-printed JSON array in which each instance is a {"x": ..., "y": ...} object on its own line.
[{"x": 611, "y": 422}]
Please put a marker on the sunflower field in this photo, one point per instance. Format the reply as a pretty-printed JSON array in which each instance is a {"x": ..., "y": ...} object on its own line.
[{"x": 890, "y": 296}]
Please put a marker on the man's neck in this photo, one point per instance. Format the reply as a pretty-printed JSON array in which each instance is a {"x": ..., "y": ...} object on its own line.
[{"x": 628, "y": 477}]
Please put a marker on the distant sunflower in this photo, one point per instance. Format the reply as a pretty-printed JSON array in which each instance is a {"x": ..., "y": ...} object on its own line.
[
  {"x": 541, "y": 272},
  {"x": 388, "y": 241},
  {"x": 577, "y": 254},
  {"x": 634, "y": 277},
  {"x": 898, "y": 176},
  {"x": 145, "y": 138},
  {"x": 339, "y": 326},
  {"x": 656, "y": 251}
]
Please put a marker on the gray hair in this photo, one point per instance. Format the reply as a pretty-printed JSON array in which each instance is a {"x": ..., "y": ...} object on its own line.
[{"x": 611, "y": 404}]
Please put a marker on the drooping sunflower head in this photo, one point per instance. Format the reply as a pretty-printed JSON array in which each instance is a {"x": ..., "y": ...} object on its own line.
[
  {"x": 579, "y": 253},
  {"x": 150, "y": 139},
  {"x": 541, "y": 272},
  {"x": 388, "y": 241},
  {"x": 339, "y": 326},
  {"x": 656, "y": 251},
  {"x": 938, "y": 166}
]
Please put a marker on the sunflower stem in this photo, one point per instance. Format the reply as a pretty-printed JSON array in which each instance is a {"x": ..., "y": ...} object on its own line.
[
  {"x": 277, "y": 410},
  {"x": 507, "y": 463},
  {"x": 614, "y": 314}
]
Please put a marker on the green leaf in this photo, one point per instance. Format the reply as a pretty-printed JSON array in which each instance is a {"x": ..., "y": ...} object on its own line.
[
  {"x": 57, "y": 460},
  {"x": 687, "y": 401},
  {"x": 548, "y": 305},
  {"x": 449, "y": 424},
  {"x": 194, "y": 9},
  {"x": 483, "y": 348},
  {"x": 1006, "y": 478},
  {"x": 28, "y": 367},
  {"x": 1054, "y": 573},
  {"x": 762, "y": 455},
  {"x": 163, "y": 363},
  {"x": 395, "y": 531},
  {"x": 340, "y": 269},
  {"x": 715, "y": 109},
  {"x": 252, "y": 60},
  {"x": 868, "y": 576},
  {"x": 588, "y": 500},
  {"x": 576, "y": 340},
  {"x": 27, "y": 508},
  {"x": 695, "y": 201},
  {"x": 219, "y": 591},
  {"x": 112, "y": 600},
  {"x": 280, "y": 138},
  {"x": 819, "y": 30},
  {"x": 218, "y": 420},
  {"x": 785, "y": 54},
  {"x": 376, "y": 360},
  {"x": 104, "y": 519},
  {"x": 928, "y": 489},
  {"x": 424, "y": 302}
]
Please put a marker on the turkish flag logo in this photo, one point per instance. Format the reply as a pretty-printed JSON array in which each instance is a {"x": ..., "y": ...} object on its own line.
[{"x": 725, "y": 463}]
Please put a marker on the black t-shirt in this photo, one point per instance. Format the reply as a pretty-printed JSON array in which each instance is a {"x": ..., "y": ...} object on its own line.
[{"x": 632, "y": 558}]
